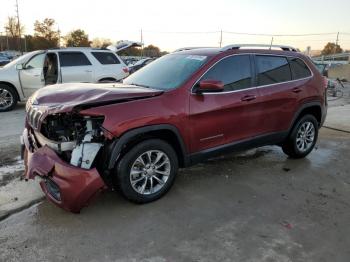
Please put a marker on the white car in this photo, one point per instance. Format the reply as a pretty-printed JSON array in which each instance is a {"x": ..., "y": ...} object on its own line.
[{"x": 20, "y": 78}]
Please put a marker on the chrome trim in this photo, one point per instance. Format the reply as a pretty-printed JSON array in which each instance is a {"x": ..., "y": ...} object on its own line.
[
  {"x": 211, "y": 137},
  {"x": 253, "y": 87}
]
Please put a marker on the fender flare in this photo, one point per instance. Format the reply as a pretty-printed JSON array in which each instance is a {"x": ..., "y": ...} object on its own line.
[
  {"x": 118, "y": 144},
  {"x": 303, "y": 107}
]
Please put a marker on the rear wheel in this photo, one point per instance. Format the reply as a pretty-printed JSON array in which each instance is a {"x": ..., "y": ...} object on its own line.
[
  {"x": 147, "y": 171},
  {"x": 8, "y": 98},
  {"x": 303, "y": 137}
]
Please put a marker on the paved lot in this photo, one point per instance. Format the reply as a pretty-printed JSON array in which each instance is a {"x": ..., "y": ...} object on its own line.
[
  {"x": 256, "y": 206},
  {"x": 11, "y": 127}
]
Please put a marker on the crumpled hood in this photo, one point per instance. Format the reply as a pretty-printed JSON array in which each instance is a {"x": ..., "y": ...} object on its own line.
[{"x": 64, "y": 97}]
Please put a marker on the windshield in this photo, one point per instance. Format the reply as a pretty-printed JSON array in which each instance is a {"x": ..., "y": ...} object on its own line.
[{"x": 167, "y": 72}]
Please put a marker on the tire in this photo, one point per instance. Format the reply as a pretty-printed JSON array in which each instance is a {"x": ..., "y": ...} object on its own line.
[
  {"x": 302, "y": 138},
  {"x": 8, "y": 98},
  {"x": 142, "y": 186}
]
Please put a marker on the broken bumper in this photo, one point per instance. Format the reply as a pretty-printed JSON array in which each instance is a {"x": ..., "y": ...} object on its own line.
[{"x": 68, "y": 187}]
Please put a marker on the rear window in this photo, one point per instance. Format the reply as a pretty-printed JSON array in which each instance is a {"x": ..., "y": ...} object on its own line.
[
  {"x": 299, "y": 68},
  {"x": 272, "y": 70},
  {"x": 106, "y": 58},
  {"x": 73, "y": 59}
]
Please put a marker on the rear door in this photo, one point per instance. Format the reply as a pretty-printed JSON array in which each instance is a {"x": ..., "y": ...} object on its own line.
[
  {"x": 228, "y": 116},
  {"x": 278, "y": 92},
  {"x": 31, "y": 76},
  {"x": 75, "y": 67}
]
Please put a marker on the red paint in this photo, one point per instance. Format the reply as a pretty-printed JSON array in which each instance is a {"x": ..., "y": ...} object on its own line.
[
  {"x": 203, "y": 120},
  {"x": 77, "y": 186}
]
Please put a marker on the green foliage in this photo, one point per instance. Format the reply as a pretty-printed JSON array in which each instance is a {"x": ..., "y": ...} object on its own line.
[
  {"x": 44, "y": 35},
  {"x": 77, "y": 38},
  {"x": 331, "y": 48}
]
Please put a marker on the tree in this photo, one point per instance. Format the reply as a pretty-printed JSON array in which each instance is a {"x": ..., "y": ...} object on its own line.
[
  {"x": 100, "y": 42},
  {"x": 77, "y": 38},
  {"x": 331, "y": 48},
  {"x": 12, "y": 28},
  {"x": 152, "y": 51},
  {"x": 44, "y": 34}
]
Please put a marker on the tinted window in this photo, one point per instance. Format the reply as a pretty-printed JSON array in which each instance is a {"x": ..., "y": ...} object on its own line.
[
  {"x": 73, "y": 59},
  {"x": 234, "y": 72},
  {"x": 36, "y": 62},
  {"x": 272, "y": 69},
  {"x": 106, "y": 58},
  {"x": 299, "y": 69}
]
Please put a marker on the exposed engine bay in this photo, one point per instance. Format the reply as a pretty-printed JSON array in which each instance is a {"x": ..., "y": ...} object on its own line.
[{"x": 76, "y": 138}]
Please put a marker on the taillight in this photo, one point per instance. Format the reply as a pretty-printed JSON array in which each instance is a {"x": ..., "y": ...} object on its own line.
[{"x": 126, "y": 69}]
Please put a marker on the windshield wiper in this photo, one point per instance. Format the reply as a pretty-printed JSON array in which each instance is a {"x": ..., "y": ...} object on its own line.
[{"x": 134, "y": 84}]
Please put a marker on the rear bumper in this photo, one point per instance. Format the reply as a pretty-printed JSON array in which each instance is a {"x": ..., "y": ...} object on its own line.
[{"x": 68, "y": 187}]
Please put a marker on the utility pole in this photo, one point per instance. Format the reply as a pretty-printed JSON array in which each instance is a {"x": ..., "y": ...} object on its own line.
[
  {"x": 1, "y": 41},
  {"x": 141, "y": 43},
  {"x": 19, "y": 27},
  {"x": 335, "y": 47},
  {"x": 59, "y": 36},
  {"x": 220, "y": 38},
  {"x": 271, "y": 43}
]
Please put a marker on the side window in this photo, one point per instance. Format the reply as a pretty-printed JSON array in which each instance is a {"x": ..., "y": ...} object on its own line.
[
  {"x": 234, "y": 72},
  {"x": 73, "y": 59},
  {"x": 299, "y": 68},
  {"x": 106, "y": 58},
  {"x": 36, "y": 61},
  {"x": 272, "y": 69}
]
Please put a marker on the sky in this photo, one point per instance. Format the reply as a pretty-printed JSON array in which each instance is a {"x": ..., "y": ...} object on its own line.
[{"x": 178, "y": 23}]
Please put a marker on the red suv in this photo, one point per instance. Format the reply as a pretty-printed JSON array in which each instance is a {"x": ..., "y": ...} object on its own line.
[{"x": 178, "y": 110}]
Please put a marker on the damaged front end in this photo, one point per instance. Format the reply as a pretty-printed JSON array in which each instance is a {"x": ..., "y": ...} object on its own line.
[{"x": 64, "y": 150}]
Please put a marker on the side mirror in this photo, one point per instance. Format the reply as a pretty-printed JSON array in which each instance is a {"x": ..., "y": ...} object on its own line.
[
  {"x": 210, "y": 86},
  {"x": 19, "y": 66}
]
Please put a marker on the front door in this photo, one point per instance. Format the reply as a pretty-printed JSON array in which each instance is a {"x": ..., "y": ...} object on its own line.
[
  {"x": 228, "y": 116},
  {"x": 31, "y": 75}
]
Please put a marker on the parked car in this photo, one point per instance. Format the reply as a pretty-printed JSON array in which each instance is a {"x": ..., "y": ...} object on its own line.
[
  {"x": 139, "y": 64},
  {"x": 4, "y": 59},
  {"x": 26, "y": 74},
  {"x": 177, "y": 111}
]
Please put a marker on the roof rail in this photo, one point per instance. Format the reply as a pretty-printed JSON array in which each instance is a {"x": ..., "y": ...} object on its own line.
[
  {"x": 238, "y": 46},
  {"x": 189, "y": 48}
]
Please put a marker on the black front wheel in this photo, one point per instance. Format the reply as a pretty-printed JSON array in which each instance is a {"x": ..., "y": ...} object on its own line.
[
  {"x": 147, "y": 171},
  {"x": 303, "y": 137}
]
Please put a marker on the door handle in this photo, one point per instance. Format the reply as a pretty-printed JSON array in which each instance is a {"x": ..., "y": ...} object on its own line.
[
  {"x": 296, "y": 90},
  {"x": 88, "y": 71},
  {"x": 36, "y": 75},
  {"x": 248, "y": 98}
]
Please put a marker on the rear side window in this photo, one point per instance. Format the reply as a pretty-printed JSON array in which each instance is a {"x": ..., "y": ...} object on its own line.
[
  {"x": 106, "y": 58},
  {"x": 234, "y": 72},
  {"x": 272, "y": 70},
  {"x": 299, "y": 68},
  {"x": 73, "y": 59}
]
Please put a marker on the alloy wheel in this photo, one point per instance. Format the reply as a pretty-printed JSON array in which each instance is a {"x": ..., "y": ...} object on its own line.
[
  {"x": 305, "y": 136},
  {"x": 150, "y": 172},
  {"x": 6, "y": 99}
]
